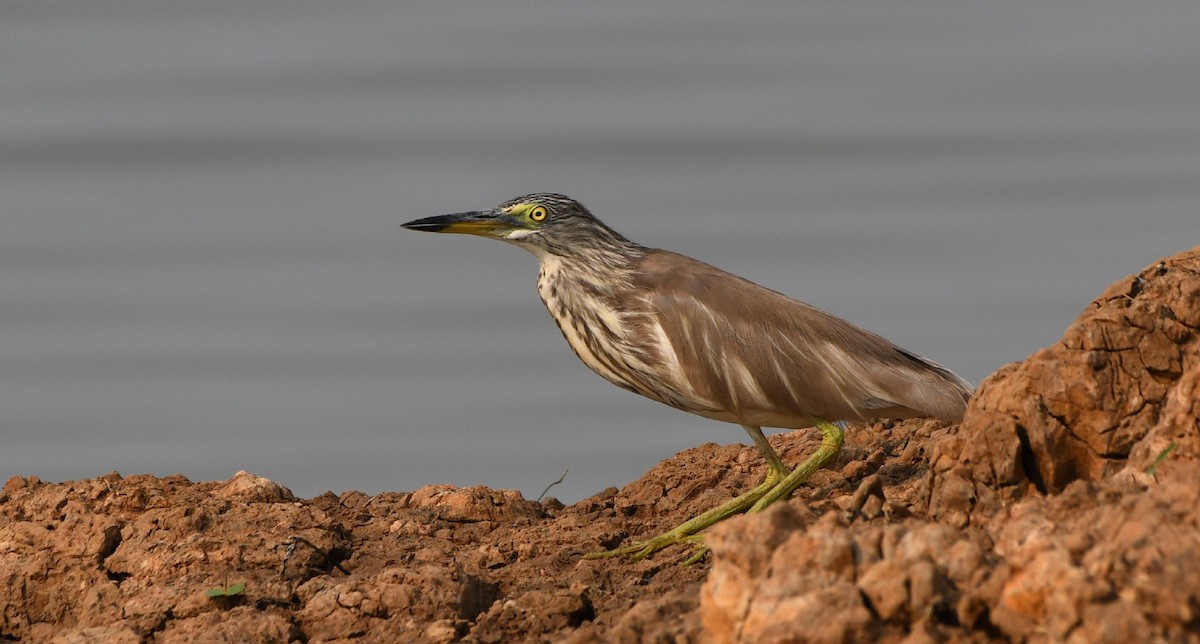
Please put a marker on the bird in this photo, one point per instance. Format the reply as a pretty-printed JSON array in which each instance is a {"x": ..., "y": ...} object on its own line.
[{"x": 692, "y": 336}]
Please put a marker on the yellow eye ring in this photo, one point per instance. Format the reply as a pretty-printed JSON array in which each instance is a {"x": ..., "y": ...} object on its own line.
[{"x": 538, "y": 213}]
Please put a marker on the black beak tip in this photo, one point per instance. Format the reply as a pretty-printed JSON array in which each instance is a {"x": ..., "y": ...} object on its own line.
[{"x": 428, "y": 224}]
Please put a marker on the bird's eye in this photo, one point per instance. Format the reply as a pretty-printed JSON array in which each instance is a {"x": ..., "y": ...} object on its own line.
[{"x": 538, "y": 213}]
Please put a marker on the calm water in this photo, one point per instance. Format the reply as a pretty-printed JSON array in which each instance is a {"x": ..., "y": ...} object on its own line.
[{"x": 201, "y": 268}]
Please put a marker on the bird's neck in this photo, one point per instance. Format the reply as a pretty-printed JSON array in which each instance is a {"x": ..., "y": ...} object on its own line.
[
  {"x": 606, "y": 266},
  {"x": 601, "y": 255}
]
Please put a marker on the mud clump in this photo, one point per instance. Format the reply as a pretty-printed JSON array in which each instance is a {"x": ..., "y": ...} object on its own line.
[{"x": 1065, "y": 507}]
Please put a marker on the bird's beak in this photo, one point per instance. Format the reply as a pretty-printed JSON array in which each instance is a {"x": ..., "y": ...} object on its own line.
[{"x": 486, "y": 223}]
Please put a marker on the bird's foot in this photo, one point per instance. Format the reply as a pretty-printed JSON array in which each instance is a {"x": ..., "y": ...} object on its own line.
[
  {"x": 639, "y": 550},
  {"x": 689, "y": 531},
  {"x": 779, "y": 485}
]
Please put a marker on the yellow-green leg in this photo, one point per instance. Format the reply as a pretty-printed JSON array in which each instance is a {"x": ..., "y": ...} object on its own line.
[
  {"x": 831, "y": 443},
  {"x": 779, "y": 484}
]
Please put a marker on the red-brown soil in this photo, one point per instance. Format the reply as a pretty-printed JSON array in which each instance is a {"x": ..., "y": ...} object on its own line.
[{"x": 1065, "y": 507}]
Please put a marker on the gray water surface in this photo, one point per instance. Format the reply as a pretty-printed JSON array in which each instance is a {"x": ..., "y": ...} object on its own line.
[{"x": 201, "y": 268}]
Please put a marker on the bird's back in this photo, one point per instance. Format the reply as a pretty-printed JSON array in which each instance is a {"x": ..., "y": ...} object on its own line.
[{"x": 735, "y": 351}]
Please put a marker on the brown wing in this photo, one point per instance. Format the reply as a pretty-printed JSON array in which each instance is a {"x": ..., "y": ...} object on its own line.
[{"x": 747, "y": 354}]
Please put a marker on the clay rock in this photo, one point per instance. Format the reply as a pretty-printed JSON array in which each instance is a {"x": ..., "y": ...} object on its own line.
[
  {"x": 430, "y": 600},
  {"x": 241, "y": 624},
  {"x": 535, "y": 613},
  {"x": 668, "y": 617},
  {"x": 1120, "y": 384},
  {"x": 1113, "y": 562},
  {"x": 94, "y": 560},
  {"x": 248, "y": 487},
  {"x": 777, "y": 577},
  {"x": 474, "y": 504},
  {"x": 95, "y": 634}
]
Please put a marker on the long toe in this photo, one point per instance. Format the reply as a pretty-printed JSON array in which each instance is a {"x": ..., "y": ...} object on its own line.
[{"x": 690, "y": 530}]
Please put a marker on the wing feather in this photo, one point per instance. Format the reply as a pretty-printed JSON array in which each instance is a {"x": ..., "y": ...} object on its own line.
[{"x": 751, "y": 355}]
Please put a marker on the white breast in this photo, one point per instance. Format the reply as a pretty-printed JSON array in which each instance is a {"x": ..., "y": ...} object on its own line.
[
  {"x": 566, "y": 306},
  {"x": 635, "y": 353}
]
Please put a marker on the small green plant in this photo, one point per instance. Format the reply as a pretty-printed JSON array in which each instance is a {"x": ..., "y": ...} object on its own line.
[
  {"x": 225, "y": 591},
  {"x": 226, "y": 595},
  {"x": 1162, "y": 456}
]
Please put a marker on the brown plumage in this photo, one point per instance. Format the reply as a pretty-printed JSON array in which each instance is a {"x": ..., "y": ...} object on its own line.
[
  {"x": 758, "y": 357},
  {"x": 692, "y": 336}
]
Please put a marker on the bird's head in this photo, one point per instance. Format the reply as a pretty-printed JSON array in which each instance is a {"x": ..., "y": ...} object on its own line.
[{"x": 541, "y": 223}]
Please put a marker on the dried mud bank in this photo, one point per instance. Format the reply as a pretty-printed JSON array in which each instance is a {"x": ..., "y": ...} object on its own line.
[{"x": 1065, "y": 507}]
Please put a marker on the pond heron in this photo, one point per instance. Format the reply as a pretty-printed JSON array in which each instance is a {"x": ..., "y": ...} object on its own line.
[{"x": 694, "y": 337}]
